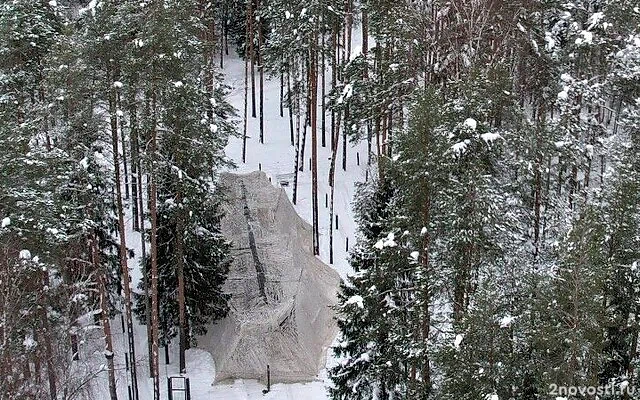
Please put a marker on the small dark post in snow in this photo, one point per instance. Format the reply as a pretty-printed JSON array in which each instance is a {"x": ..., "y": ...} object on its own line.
[
  {"x": 269, "y": 179},
  {"x": 358, "y": 158},
  {"x": 169, "y": 388},
  {"x": 166, "y": 354},
  {"x": 366, "y": 176},
  {"x": 326, "y": 200},
  {"x": 337, "y": 222},
  {"x": 309, "y": 161},
  {"x": 259, "y": 166},
  {"x": 347, "y": 246},
  {"x": 268, "y": 389}
]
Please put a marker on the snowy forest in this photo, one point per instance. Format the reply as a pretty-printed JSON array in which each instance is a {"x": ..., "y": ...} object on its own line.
[{"x": 469, "y": 168}]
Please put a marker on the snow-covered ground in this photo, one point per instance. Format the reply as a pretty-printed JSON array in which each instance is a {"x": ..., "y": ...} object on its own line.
[{"x": 275, "y": 157}]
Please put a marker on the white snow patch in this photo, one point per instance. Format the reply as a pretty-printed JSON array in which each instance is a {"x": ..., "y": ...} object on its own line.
[
  {"x": 6, "y": 221},
  {"x": 84, "y": 163},
  {"x": 389, "y": 241},
  {"x": 415, "y": 255},
  {"x": 589, "y": 149},
  {"x": 29, "y": 343},
  {"x": 178, "y": 84},
  {"x": 461, "y": 147},
  {"x": 471, "y": 123},
  {"x": 595, "y": 19},
  {"x": 25, "y": 254},
  {"x": 117, "y": 84},
  {"x": 358, "y": 300},
  {"x": 456, "y": 343},
  {"x": 563, "y": 95},
  {"x": 550, "y": 42},
  {"x": 506, "y": 321},
  {"x": 490, "y": 137},
  {"x": 587, "y": 38},
  {"x": 560, "y": 144},
  {"x": 347, "y": 92}
]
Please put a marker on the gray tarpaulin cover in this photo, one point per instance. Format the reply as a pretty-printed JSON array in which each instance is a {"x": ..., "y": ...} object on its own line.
[{"x": 281, "y": 294}]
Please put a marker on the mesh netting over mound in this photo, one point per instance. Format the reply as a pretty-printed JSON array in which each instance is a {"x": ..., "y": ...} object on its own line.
[{"x": 281, "y": 294}]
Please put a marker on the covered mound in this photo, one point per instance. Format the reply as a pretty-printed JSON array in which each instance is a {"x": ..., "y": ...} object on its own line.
[{"x": 281, "y": 294}]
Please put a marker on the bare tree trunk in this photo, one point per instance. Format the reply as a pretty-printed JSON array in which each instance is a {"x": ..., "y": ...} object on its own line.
[
  {"x": 48, "y": 349},
  {"x": 323, "y": 108},
  {"x": 252, "y": 59},
  {"x": 349, "y": 28},
  {"x": 313, "y": 75},
  {"x": 143, "y": 246},
  {"x": 246, "y": 89},
  {"x": 344, "y": 139},
  {"x": 135, "y": 155},
  {"x": 261, "y": 69},
  {"x": 297, "y": 151},
  {"x": 181, "y": 288},
  {"x": 334, "y": 76},
  {"x": 106, "y": 324},
  {"x": 122, "y": 254},
  {"x": 304, "y": 142},
  {"x": 125, "y": 164},
  {"x": 332, "y": 174},
  {"x": 290, "y": 104},
  {"x": 365, "y": 52},
  {"x": 426, "y": 294},
  {"x": 153, "y": 209},
  {"x": 281, "y": 94}
]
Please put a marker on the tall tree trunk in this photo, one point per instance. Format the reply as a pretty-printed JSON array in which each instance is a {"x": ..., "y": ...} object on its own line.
[
  {"x": 143, "y": 245},
  {"x": 323, "y": 108},
  {"x": 48, "y": 348},
  {"x": 332, "y": 179},
  {"x": 106, "y": 324},
  {"x": 334, "y": 76},
  {"x": 261, "y": 70},
  {"x": 365, "y": 52},
  {"x": 314, "y": 141},
  {"x": 297, "y": 151},
  {"x": 223, "y": 22},
  {"x": 290, "y": 104},
  {"x": 135, "y": 156},
  {"x": 349, "y": 28},
  {"x": 122, "y": 253},
  {"x": 344, "y": 139},
  {"x": 426, "y": 294},
  {"x": 246, "y": 89},
  {"x": 252, "y": 55},
  {"x": 125, "y": 164},
  {"x": 281, "y": 94},
  {"x": 181, "y": 288},
  {"x": 153, "y": 209}
]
